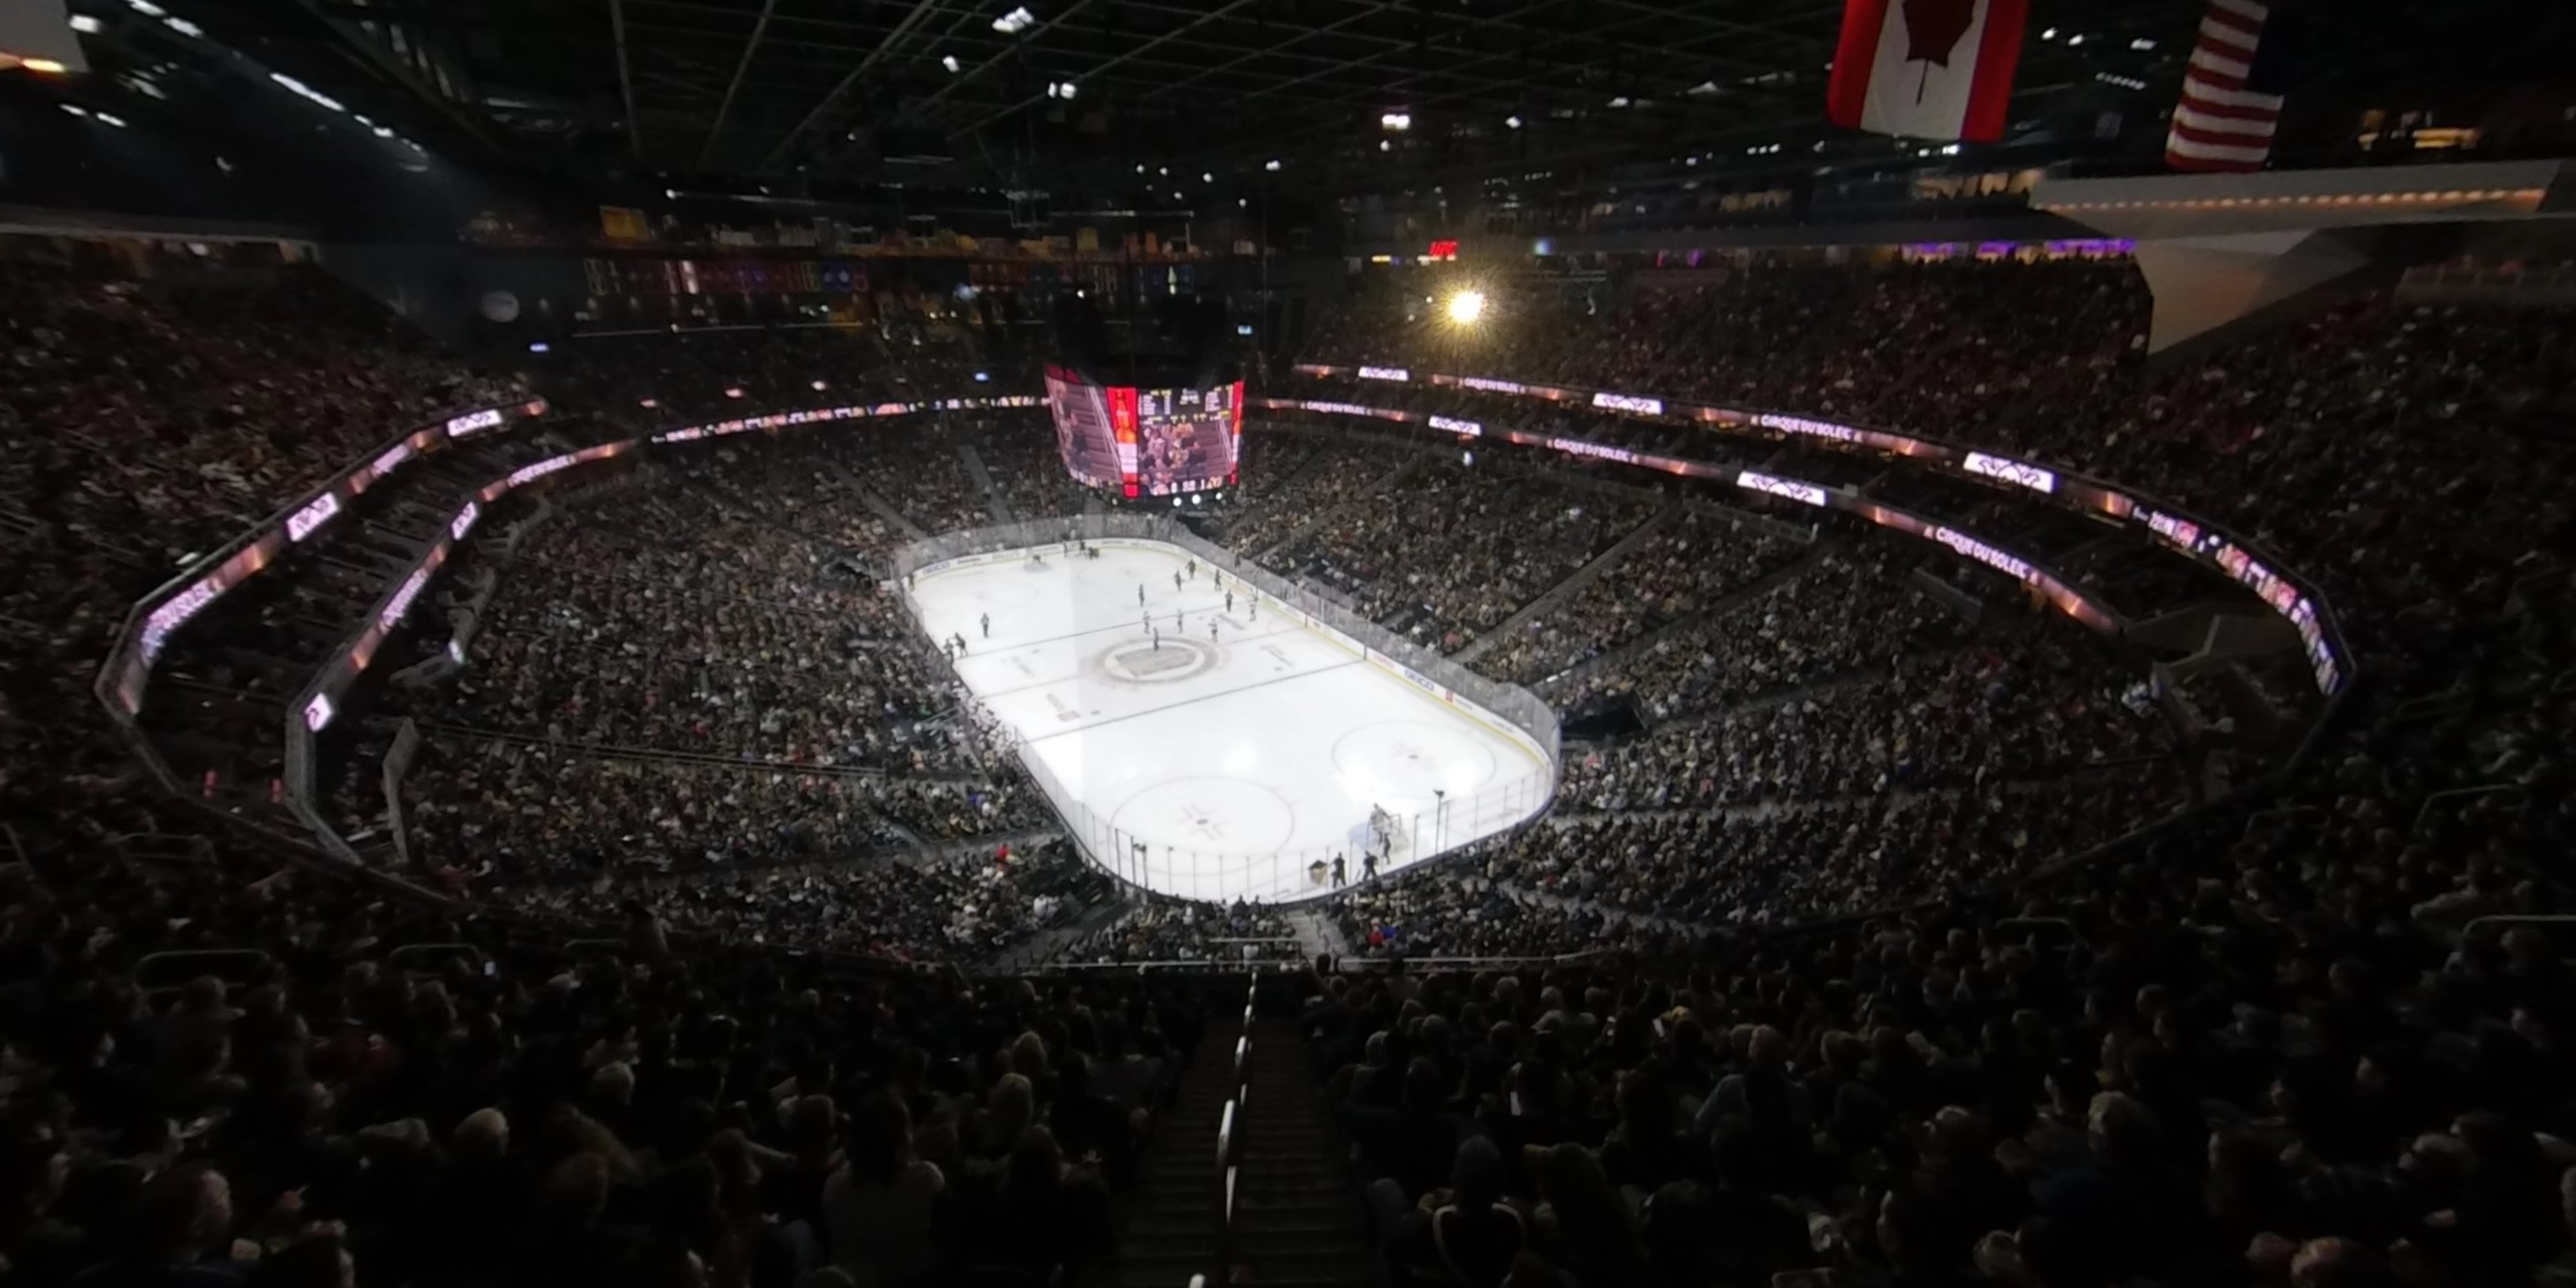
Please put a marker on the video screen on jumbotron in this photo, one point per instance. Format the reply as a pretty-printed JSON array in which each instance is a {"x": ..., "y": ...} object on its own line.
[{"x": 1145, "y": 442}]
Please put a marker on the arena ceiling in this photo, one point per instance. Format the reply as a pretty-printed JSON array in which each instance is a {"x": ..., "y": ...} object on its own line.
[{"x": 971, "y": 91}]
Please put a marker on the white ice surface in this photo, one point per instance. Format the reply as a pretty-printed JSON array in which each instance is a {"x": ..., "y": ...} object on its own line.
[{"x": 1237, "y": 762}]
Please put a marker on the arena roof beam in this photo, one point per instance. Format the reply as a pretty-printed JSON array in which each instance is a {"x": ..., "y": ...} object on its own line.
[
  {"x": 734, "y": 86},
  {"x": 911, "y": 19},
  {"x": 626, "y": 80},
  {"x": 1212, "y": 15}
]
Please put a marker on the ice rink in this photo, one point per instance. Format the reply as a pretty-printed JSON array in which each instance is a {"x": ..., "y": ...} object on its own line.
[{"x": 1234, "y": 760}]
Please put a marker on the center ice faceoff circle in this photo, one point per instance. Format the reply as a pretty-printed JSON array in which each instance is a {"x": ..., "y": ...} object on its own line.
[
  {"x": 1409, "y": 760},
  {"x": 1147, "y": 662},
  {"x": 1208, "y": 813}
]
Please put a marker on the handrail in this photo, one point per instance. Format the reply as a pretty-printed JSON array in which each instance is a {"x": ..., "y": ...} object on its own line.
[
  {"x": 2064, "y": 593},
  {"x": 799, "y": 418},
  {"x": 2240, "y": 558},
  {"x": 149, "y": 623},
  {"x": 315, "y": 707},
  {"x": 2424, "y": 812}
]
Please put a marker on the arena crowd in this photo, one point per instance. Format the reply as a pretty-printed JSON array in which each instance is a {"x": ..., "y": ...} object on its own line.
[{"x": 1847, "y": 1020}]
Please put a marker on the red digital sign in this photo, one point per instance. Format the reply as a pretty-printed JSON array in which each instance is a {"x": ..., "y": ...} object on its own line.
[{"x": 1446, "y": 249}]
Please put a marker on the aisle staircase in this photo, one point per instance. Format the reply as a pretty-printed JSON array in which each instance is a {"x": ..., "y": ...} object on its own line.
[
  {"x": 877, "y": 505},
  {"x": 1385, "y": 487},
  {"x": 1296, "y": 1219},
  {"x": 1172, "y": 1223},
  {"x": 1247, "y": 1180},
  {"x": 1690, "y": 625},
  {"x": 995, "y": 503},
  {"x": 1564, "y": 591}
]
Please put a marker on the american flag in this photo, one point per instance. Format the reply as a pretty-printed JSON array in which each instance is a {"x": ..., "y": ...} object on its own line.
[{"x": 2228, "y": 108}]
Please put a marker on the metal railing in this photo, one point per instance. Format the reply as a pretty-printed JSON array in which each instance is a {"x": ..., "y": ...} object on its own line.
[{"x": 2221, "y": 547}]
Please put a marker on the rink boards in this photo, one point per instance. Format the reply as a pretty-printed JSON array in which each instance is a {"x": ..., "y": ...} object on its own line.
[{"x": 1226, "y": 767}]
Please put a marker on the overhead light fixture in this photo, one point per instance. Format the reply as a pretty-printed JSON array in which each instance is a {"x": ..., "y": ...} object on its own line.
[
  {"x": 1620, "y": 101},
  {"x": 1272, "y": 165},
  {"x": 1163, "y": 170},
  {"x": 87, "y": 25},
  {"x": 1207, "y": 176},
  {"x": 1015, "y": 22},
  {"x": 1512, "y": 122},
  {"x": 2049, "y": 33},
  {"x": 732, "y": 392},
  {"x": 1242, "y": 202},
  {"x": 304, "y": 91},
  {"x": 1178, "y": 197},
  {"x": 1384, "y": 146},
  {"x": 1396, "y": 120},
  {"x": 1140, "y": 169},
  {"x": 74, "y": 109},
  {"x": 2142, "y": 44},
  {"x": 2076, "y": 39},
  {"x": 43, "y": 66},
  {"x": 539, "y": 346},
  {"x": 819, "y": 386},
  {"x": 384, "y": 132},
  {"x": 648, "y": 402},
  {"x": 949, "y": 61}
]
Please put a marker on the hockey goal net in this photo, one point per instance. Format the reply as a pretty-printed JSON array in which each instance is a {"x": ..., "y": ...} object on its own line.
[{"x": 1387, "y": 835}]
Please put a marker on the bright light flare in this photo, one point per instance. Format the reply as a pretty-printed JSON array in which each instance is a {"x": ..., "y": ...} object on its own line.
[{"x": 1466, "y": 306}]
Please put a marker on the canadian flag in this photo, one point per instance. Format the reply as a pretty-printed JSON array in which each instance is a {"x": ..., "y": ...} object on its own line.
[{"x": 1926, "y": 69}]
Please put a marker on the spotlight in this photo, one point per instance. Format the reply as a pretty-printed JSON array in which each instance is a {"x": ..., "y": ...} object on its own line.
[
  {"x": 1272, "y": 165},
  {"x": 1466, "y": 306},
  {"x": 1512, "y": 122},
  {"x": 1015, "y": 22},
  {"x": 949, "y": 61},
  {"x": 1396, "y": 120},
  {"x": 734, "y": 391},
  {"x": 819, "y": 386}
]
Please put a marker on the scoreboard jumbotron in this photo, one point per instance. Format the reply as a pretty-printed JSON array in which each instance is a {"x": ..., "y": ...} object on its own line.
[{"x": 1138, "y": 443}]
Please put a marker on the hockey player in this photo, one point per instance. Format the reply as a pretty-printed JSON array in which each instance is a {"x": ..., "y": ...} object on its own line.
[
  {"x": 1229, "y": 601},
  {"x": 986, "y": 621}
]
